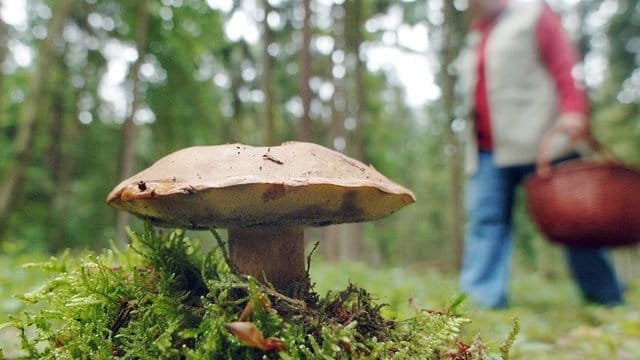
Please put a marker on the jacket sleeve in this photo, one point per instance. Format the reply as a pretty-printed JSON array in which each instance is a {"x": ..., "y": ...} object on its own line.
[{"x": 559, "y": 57}]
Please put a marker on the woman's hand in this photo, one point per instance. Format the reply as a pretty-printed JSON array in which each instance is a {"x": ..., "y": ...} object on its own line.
[{"x": 575, "y": 125}]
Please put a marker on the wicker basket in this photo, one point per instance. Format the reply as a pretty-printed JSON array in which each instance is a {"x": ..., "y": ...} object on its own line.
[{"x": 586, "y": 203}]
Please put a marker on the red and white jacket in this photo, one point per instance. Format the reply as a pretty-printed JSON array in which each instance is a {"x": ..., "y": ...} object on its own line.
[{"x": 516, "y": 75}]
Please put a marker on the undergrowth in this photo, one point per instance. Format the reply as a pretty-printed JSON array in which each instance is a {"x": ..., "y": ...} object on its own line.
[{"x": 163, "y": 298}]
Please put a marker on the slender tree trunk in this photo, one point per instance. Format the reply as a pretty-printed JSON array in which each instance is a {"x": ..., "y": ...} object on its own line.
[
  {"x": 61, "y": 201},
  {"x": 352, "y": 242},
  {"x": 127, "y": 156},
  {"x": 331, "y": 234},
  {"x": 267, "y": 38},
  {"x": 234, "y": 130},
  {"x": 3, "y": 54},
  {"x": 11, "y": 187},
  {"x": 452, "y": 37},
  {"x": 57, "y": 159},
  {"x": 306, "y": 126},
  {"x": 360, "y": 95},
  {"x": 330, "y": 242},
  {"x": 357, "y": 229}
]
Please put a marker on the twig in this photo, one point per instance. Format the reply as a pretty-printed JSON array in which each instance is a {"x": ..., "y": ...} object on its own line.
[
  {"x": 123, "y": 316},
  {"x": 271, "y": 158},
  {"x": 412, "y": 303},
  {"x": 225, "y": 254},
  {"x": 355, "y": 315},
  {"x": 294, "y": 303},
  {"x": 315, "y": 246}
]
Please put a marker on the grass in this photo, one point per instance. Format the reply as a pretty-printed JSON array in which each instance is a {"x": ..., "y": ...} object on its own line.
[
  {"x": 14, "y": 280},
  {"x": 554, "y": 323}
]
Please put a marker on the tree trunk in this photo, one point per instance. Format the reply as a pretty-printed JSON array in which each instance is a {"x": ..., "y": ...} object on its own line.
[
  {"x": 306, "y": 126},
  {"x": 234, "y": 130},
  {"x": 127, "y": 156},
  {"x": 452, "y": 39},
  {"x": 61, "y": 201},
  {"x": 267, "y": 38},
  {"x": 360, "y": 102},
  {"x": 59, "y": 158},
  {"x": 360, "y": 95},
  {"x": 11, "y": 188},
  {"x": 3, "y": 55},
  {"x": 353, "y": 242},
  {"x": 331, "y": 234}
]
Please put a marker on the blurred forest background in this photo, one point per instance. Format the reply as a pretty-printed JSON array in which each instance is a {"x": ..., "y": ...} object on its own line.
[{"x": 92, "y": 91}]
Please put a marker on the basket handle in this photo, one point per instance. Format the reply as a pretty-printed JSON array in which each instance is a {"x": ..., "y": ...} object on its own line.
[{"x": 543, "y": 161}]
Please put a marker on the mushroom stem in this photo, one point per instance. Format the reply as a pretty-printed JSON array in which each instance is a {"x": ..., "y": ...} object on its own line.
[{"x": 272, "y": 253}]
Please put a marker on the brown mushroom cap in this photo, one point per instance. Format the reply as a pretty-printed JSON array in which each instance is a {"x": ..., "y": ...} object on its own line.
[{"x": 236, "y": 185}]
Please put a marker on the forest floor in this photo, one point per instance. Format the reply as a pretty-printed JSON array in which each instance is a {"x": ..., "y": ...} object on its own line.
[{"x": 554, "y": 323}]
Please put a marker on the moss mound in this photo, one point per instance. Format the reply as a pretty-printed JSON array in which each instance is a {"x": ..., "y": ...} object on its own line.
[{"x": 165, "y": 299}]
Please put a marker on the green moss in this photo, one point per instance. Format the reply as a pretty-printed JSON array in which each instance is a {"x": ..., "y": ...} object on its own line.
[{"x": 164, "y": 299}]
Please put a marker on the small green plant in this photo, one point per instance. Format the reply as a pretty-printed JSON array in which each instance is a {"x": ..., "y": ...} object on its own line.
[
  {"x": 511, "y": 338},
  {"x": 164, "y": 299}
]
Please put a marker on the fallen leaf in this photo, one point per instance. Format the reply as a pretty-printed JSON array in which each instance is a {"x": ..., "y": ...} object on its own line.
[
  {"x": 247, "y": 333},
  {"x": 250, "y": 335}
]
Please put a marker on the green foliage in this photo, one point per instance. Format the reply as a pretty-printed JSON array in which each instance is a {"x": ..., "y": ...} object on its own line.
[
  {"x": 554, "y": 322},
  {"x": 164, "y": 299},
  {"x": 508, "y": 342},
  {"x": 417, "y": 334}
]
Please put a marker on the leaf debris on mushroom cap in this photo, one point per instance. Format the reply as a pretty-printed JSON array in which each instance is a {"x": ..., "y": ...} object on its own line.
[{"x": 236, "y": 185}]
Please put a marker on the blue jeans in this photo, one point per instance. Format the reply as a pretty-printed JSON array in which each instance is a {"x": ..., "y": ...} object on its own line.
[{"x": 488, "y": 241}]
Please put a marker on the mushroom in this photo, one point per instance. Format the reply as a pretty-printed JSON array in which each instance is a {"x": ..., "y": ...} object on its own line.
[{"x": 263, "y": 196}]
